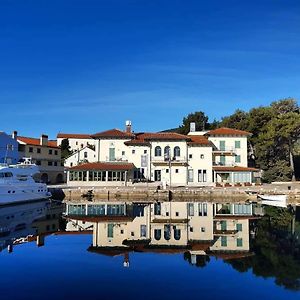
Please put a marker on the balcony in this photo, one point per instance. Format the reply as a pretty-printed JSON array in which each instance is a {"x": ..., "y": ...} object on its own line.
[
  {"x": 224, "y": 151},
  {"x": 224, "y": 164},
  {"x": 161, "y": 160}
]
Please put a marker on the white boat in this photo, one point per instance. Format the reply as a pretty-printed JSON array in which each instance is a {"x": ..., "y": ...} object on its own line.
[
  {"x": 17, "y": 183},
  {"x": 273, "y": 200}
]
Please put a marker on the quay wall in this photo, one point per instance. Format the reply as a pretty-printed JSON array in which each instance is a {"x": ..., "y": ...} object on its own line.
[{"x": 234, "y": 194}]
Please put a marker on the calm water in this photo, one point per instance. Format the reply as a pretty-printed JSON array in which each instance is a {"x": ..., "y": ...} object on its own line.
[{"x": 167, "y": 250}]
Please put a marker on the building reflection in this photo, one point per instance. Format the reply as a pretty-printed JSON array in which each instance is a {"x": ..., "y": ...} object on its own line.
[
  {"x": 23, "y": 223},
  {"x": 194, "y": 228}
]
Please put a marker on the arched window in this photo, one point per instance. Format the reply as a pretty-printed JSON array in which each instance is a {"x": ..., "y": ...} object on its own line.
[
  {"x": 176, "y": 151},
  {"x": 157, "y": 151},
  {"x": 157, "y": 234},
  {"x": 167, "y": 232},
  {"x": 167, "y": 152},
  {"x": 177, "y": 234}
]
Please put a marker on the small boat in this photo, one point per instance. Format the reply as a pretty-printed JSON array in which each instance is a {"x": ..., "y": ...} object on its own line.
[
  {"x": 273, "y": 200},
  {"x": 17, "y": 183}
]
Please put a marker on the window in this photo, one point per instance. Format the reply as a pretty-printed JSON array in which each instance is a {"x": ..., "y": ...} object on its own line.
[
  {"x": 239, "y": 242},
  {"x": 202, "y": 229},
  {"x": 176, "y": 151},
  {"x": 110, "y": 230},
  {"x": 55, "y": 163},
  {"x": 133, "y": 151},
  {"x": 157, "y": 151},
  {"x": 38, "y": 162},
  {"x": 49, "y": 163},
  {"x": 237, "y": 144},
  {"x": 176, "y": 170},
  {"x": 157, "y": 234},
  {"x": 191, "y": 229},
  {"x": 222, "y": 160},
  {"x": 177, "y": 214},
  {"x": 145, "y": 151},
  {"x": 239, "y": 227},
  {"x": 224, "y": 241},
  {"x": 81, "y": 145},
  {"x": 123, "y": 152},
  {"x": 190, "y": 208},
  {"x": 202, "y": 176},
  {"x": 177, "y": 234},
  {"x": 71, "y": 164},
  {"x": 167, "y": 170},
  {"x": 190, "y": 175},
  {"x": 38, "y": 150},
  {"x": 50, "y": 151},
  {"x": 143, "y": 231},
  {"x": 202, "y": 156},
  {"x": 157, "y": 209},
  {"x": 237, "y": 158},
  {"x": 85, "y": 154},
  {"x": 122, "y": 231},
  {"x": 167, "y": 232},
  {"x": 167, "y": 213},
  {"x": 132, "y": 233},
  {"x": 76, "y": 143},
  {"x": 190, "y": 156},
  {"x": 30, "y": 149},
  {"x": 167, "y": 153},
  {"x": 222, "y": 145},
  {"x": 55, "y": 152}
]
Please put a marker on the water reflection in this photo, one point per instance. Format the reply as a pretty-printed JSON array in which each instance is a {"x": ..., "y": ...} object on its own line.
[
  {"x": 248, "y": 237},
  {"x": 23, "y": 223},
  {"x": 198, "y": 228}
]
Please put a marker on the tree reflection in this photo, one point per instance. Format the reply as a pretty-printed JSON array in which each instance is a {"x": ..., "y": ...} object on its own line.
[{"x": 276, "y": 247}]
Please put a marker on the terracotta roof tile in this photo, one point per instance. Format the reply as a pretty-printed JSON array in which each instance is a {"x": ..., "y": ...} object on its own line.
[
  {"x": 73, "y": 135},
  {"x": 113, "y": 133},
  {"x": 104, "y": 166},
  {"x": 233, "y": 169},
  {"x": 227, "y": 131},
  {"x": 36, "y": 142},
  {"x": 199, "y": 140},
  {"x": 147, "y": 136}
]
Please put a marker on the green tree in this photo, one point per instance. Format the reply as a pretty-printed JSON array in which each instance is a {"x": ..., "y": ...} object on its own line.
[
  {"x": 197, "y": 117},
  {"x": 65, "y": 148}
]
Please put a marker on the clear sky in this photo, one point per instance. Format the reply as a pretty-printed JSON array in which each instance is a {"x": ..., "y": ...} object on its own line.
[{"x": 86, "y": 66}]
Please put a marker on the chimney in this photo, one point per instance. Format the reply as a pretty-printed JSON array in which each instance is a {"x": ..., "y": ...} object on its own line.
[
  {"x": 192, "y": 127},
  {"x": 14, "y": 135},
  {"x": 44, "y": 140},
  {"x": 128, "y": 126}
]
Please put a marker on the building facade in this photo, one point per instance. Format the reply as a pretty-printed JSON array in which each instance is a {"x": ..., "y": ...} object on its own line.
[
  {"x": 197, "y": 228},
  {"x": 218, "y": 156},
  {"x": 44, "y": 153},
  {"x": 8, "y": 148}
]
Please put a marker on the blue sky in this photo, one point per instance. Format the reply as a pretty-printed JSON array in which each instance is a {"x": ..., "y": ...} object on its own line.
[{"x": 86, "y": 66}]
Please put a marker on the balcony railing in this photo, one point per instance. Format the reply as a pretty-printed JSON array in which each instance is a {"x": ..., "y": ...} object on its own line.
[
  {"x": 224, "y": 164},
  {"x": 162, "y": 159},
  {"x": 224, "y": 150}
]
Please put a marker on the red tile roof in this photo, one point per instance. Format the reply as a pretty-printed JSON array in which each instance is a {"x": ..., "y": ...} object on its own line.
[
  {"x": 104, "y": 166},
  {"x": 199, "y": 140},
  {"x": 234, "y": 169},
  {"x": 137, "y": 143},
  {"x": 36, "y": 142},
  {"x": 227, "y": 131},
  {"x": 113, "y": 133},
  {"x": 171, "y": 136},
  {"x": 73, "y": 135}
]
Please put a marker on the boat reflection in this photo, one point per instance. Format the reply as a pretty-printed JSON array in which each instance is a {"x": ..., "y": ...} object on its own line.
[
  {"x": 199, "y": 228},
  {"x": 27, "y": 222}
]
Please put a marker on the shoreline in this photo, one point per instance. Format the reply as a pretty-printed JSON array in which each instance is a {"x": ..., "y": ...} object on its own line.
[{"x": 144, "y": 194}]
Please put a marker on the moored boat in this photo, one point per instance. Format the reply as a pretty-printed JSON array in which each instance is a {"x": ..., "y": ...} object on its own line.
[
  {"x": 17, "y": 183},
  {"x": 273, "y": 200}
]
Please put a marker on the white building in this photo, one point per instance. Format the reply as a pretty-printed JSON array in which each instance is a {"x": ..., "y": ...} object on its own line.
[
  {"x": 83, "y": 155},
  {"x": 77, "y": 141},
  {"x": 196, "y": 159}
]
